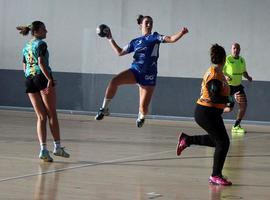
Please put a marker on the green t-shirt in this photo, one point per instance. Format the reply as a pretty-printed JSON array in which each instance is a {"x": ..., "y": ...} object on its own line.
[
  {"x": 234, "y": 68},
  {"x": 31, "y": 52}
]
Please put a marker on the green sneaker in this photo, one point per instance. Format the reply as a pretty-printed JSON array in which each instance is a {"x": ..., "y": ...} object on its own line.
[
  {"x": 238, "y": 129},
  {"x": 61, "y": 152},
  {"x": 45, "y": 155}
]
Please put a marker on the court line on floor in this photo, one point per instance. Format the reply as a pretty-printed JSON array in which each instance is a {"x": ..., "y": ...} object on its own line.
[
  {"x": 100, "y": 163},
  {"x": 82, "y": 166}
]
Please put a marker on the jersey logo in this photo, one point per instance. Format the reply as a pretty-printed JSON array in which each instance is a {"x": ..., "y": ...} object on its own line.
[
  {"x": 139, "y": 42},
  {"x": 149, "y": 77}
]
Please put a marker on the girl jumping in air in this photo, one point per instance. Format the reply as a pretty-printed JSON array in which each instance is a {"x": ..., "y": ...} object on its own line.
[{"x": 143, "y": 69}]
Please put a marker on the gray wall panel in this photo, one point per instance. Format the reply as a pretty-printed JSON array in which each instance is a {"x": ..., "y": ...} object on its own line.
[
  {"x": 172, "y": 97},
  {"x": 175, "y": 96},
  {"x": 13, "y": 89}
]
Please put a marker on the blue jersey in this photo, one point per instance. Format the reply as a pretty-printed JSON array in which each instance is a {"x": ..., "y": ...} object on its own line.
[
  {"x": 32, "y": 50},
  {"x": 146, "y": 52}
]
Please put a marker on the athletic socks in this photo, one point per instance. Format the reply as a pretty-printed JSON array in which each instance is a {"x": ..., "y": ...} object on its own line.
[
  {"x": 141, "y": 116},
  {"x": 57, "y": 144},
  {"x": 43, "y": 146},
  {"x": 237, "y": 122},
  {"x": 105, "y": 104}
]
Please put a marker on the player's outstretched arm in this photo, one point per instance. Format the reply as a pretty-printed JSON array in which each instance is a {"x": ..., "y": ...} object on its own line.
[{"x": 177, "y": 36}]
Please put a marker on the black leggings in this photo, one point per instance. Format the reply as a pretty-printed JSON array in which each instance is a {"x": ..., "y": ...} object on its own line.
[{"x": 211, "y": 121}]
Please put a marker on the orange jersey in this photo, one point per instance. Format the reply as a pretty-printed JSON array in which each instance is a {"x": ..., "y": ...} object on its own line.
[{"x": 205, "y": 100}]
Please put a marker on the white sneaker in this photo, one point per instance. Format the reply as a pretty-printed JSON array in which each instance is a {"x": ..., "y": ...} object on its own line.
[{"x": 61, "y": 152}]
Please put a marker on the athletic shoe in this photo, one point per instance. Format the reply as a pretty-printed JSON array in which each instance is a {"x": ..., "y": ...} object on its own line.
[
  {"x": 238, "y": 129},
  {"x": 61, "y": 152},
  {"x": 45, "y": 155},
  {"x": 237, "y": 136},
  {"x": 140, "y": 122},
  {"x": 217, "y": 180},
  {"x": 101, "y": 113},
  {"x": 182, "y": 143}
]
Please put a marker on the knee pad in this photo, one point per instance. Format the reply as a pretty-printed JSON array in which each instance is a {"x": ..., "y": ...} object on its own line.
[{"x": 240, "y": 98}]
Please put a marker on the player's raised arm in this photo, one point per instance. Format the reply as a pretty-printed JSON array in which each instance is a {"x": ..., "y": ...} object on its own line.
[
  {"x": 176, "y": 37},
  {"x": 118, "y": 50},
  {"x": 104, "y": 31}
]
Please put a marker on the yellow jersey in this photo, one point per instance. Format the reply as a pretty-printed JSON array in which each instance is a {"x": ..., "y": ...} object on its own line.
[{"x": 234, "y": 68}]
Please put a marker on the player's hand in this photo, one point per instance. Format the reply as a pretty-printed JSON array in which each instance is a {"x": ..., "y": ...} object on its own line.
[
  {"x": 48, "y": 88},
  {"x": 184, "y": 30},
  {"x": 228, "y": 78},
  {"x": 109, "y": 35},
  {"x": 227, "y": 109}
]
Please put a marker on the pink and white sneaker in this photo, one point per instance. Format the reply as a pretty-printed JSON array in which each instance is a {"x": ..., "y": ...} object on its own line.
[
  {"x": 182, "y": 143},
  {"x": 217, "y": 180}
]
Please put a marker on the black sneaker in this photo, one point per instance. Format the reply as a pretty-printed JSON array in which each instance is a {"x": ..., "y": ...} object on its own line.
[
  {"x": 101, "y": 113},
  {"x": 140, "y": 122}
]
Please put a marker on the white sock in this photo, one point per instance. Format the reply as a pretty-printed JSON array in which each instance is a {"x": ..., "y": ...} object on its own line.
[
  {"x": 43, "y": 146},
  {"x": 57, "y": 144},
  {"x": 141, "y": 116},
  {"x": 105, "y": 104}
]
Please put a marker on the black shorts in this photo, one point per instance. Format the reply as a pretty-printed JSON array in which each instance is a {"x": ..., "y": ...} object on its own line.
[
  {"x": 36, "y": 83},
  {"x": 234, "y": 89}
]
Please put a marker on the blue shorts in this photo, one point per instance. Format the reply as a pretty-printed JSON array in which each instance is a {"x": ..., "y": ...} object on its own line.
[{"x": 143, "y": 78}]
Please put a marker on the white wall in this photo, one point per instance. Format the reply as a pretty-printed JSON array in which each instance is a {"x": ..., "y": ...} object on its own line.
[{"x": 74, "y": 46}]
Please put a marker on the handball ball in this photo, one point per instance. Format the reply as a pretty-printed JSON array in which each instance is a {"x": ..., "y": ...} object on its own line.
[{"x": 103, "y": 30}]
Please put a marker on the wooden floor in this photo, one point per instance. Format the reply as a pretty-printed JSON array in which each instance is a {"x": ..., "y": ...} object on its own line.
[{"x": 114, "y": 160}]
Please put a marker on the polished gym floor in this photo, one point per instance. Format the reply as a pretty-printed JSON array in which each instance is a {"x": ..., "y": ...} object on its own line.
[{"x": 112, "y": 159}]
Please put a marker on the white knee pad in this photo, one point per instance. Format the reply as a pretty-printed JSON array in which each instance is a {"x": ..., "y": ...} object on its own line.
[{"x": 240, "y": 98}]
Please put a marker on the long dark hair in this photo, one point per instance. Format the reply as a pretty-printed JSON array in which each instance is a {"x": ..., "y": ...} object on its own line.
[
  {"x": 141, "y": 18},
  {"x": 34, "y": 26}
]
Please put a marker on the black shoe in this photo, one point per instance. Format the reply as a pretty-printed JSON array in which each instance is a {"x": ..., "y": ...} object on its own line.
[
  {"x": 101, "y": 113},
  {"x": 140, "y": 122}
]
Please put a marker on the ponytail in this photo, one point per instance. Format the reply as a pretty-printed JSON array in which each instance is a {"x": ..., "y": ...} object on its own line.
[
  {"x": 24, "y": 30},
  {"x": 140, "y": 19}
]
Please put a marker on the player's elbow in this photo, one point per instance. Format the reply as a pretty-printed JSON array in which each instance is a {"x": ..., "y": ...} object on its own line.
[
  {"x": 170, "y": 40},
  {"x": 121, "y": 53}
]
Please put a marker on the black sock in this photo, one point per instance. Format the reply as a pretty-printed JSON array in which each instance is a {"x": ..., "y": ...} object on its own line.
[{"x": 237, "y": 122}]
